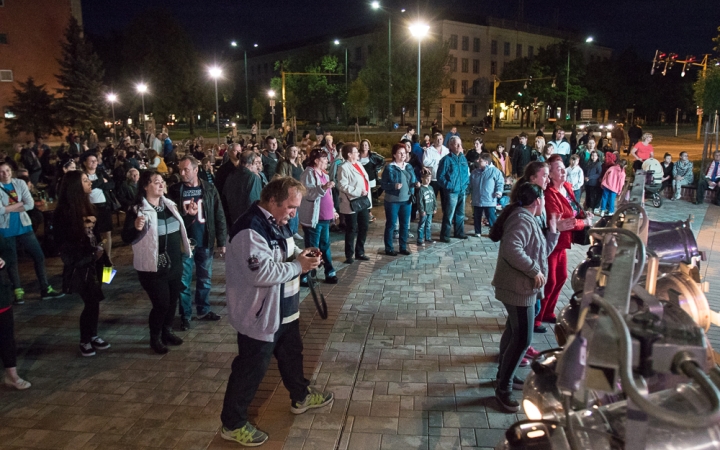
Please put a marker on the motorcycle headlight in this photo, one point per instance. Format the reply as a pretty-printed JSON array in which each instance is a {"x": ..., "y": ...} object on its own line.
[{"x": 531, "y": 410}]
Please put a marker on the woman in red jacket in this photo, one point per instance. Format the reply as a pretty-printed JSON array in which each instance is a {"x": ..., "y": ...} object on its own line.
[{"x": 559, "y": 199}]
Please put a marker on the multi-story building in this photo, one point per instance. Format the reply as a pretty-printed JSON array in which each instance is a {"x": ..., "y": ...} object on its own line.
[
  {"x": 31, "y": 33},
  {"x": 479, "y": 51}
]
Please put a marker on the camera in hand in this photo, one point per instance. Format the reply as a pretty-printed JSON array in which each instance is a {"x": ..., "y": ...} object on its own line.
[{"x": 313, "y": 254}]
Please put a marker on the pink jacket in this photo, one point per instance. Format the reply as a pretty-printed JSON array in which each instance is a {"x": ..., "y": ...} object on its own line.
[{"x": 614, "y": 179}]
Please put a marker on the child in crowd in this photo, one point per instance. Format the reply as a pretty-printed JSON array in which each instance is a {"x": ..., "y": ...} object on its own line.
[
  {"x": 575, "y": 176},
  {"x": 486, "y": 184},
  {"x": 427, "y": 206},
  {"x": 612, "y": 185}
]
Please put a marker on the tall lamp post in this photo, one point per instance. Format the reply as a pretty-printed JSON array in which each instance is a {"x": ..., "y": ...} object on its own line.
[
  {"x": 419, "y": 31},
  {"x": 337, "y": 42},
  {"x": 112, "y": 98},
  {"x": 215, "y": 73},
  {"x": 376, "y": 5},
  {"x": 142, "y": 89},
  {"x": 247, "y": 90},
  {"x": 271, "y": 94},
  {"x": 567, "y": 78}
]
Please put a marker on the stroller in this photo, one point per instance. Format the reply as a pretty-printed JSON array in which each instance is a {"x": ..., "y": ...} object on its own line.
[{"x": 653, "y": 189}]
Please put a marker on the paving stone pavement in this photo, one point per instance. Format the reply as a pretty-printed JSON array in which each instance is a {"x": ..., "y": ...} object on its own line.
[{"x": 408, "y": 349}]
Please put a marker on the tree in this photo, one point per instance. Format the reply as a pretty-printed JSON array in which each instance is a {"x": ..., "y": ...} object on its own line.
[
  {"x": 33, "y": 109},
  {"x": 357, "y": 99},
  {"x": 258, "y": 110},
  {"x": 166, "y": 59},
  {"x": 81, "y": 104},
  {"x": 707, "y": 91}
]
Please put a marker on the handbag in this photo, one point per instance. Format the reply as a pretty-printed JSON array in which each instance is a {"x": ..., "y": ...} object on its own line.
[
  {"x": 360, "y": 203},
  {"x": 581, "y": 237},
  {"x": 112, "y": 201}
]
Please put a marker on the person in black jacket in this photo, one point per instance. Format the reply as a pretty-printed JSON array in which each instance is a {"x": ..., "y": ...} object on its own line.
[
  {"x": 202, "y": 213},
  {"x": 522, "y": 155},
  {"x": 102, "y": 184},
  {"x": 242, "y": 187},
  {"x": 82, "y": 254}
]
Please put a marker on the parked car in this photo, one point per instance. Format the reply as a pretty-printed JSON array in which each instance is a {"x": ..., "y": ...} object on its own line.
[{"x": 589, "y": 125}]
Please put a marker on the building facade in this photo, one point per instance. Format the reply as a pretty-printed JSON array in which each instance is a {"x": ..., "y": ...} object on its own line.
[{"x": 31, "y": 33}]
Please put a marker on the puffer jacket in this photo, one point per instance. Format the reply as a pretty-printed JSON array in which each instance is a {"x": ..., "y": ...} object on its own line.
[{"x": 485, "y": 184}]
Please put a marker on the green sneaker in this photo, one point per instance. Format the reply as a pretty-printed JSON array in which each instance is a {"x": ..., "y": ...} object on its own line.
[
  {"x": 51, "y": 293},
  {"x": 314, "y": 399},
  {"x": 247, "y": 436},
  {"x": 19, "y": 296}
]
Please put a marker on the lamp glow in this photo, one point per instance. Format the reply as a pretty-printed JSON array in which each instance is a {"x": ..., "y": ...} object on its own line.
[
  {"x": 375, "y": 5},
  {"x": 271, "y": 93},
  {"x": 233, "y": 44},
  {"x": 112, "y": 98},
  {"x": 336, "y": 42},
  {"x": 589, "y": 39},
  {"x": 215, "y": 72},
  {"x": 142, "y": 88},
  {"x": 419, "y": 30},
  {"x": 255, "y": 45}
]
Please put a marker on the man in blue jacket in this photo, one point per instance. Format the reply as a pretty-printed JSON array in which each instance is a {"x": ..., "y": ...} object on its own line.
[
  {"x": 453, "y": 178},
  {"x": 263, "y": 291}
]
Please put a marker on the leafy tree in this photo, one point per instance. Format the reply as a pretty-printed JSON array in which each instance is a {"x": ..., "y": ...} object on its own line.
[
  {"x": 357, "y": 99},
  {"x": 166, "y": 59},
  {"x": 258, "y": 110},
  {"x": 81, "y": 103},
  {"x": 34, "y": 111},
  {"x": 707, "y": 90}
]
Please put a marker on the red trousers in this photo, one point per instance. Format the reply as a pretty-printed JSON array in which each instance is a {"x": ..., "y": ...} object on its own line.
[{"x": 557, "y": 275}]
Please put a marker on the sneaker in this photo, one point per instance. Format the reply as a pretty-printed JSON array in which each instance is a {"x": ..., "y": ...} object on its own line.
[
  {"x": 247, "y": 436},
  {"x": 404, "y": 252},
  {"x": 99, "y": 343},
  {"x": 19, "y": 296},
  {"x": 87, "y": 349},
  {"x": 531, "y": 353},
  {"x": 507, "y": 401},
  {"x": 421, "y": 244},
  {"x": 524, "y": 362},
  {"x": 331, "y": 279},
  {"x": 411, "y": 236},
  {"x": 209, "y": 316},
  {"x": 51, "y": 293},
  {"x": 313, "y": 400},
  {"x": 429, "y": 241},
  {"x": 540, "y": 329},
  {"x": 477, "y": 235},
  {"x": 518, "y": 383},
  {"x": 185, "y": 325}
]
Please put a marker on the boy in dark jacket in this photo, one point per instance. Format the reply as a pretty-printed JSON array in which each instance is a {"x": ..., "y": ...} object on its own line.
[{"x": 427, "y": 206}]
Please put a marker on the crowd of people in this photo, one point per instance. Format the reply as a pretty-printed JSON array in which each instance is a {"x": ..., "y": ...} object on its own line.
[{"x": 180, "y": 211}]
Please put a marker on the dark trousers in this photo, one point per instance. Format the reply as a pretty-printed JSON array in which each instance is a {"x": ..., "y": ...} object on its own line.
[
  {"x": 164, "y": 293},
  {"x": 251, "y": 364},
  {"x": 478, "y": 212},
  {"x": 703, "y": 186},
  {"x": 89, "y": 316},
  {"x": 453, "y": 206},
  {"x": 514, "y": 343},
  {"x": 7, "y": 339},
  {"x": 356, "y": 227},
  {"x": 31, "y": 245},
  {"x": 593, "y": 194}
]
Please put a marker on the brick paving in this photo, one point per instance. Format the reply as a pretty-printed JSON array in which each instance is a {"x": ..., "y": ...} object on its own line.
[{"x": 408, "y": 349}]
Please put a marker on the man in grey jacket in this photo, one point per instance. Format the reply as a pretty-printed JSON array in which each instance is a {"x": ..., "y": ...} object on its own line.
[{"x": 263, "y": 289}]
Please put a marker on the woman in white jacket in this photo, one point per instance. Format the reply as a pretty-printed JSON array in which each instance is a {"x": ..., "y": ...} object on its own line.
[
  {"x": 156, "y": 231},
  {"x": 353, "y": 183}
]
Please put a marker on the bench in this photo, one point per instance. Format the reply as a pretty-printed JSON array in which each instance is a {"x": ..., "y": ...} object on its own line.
[{"x": 689, "y": 193}]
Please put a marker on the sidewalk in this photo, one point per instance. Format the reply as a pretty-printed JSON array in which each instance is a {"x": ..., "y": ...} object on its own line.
[{"x": 408, "y": 349}]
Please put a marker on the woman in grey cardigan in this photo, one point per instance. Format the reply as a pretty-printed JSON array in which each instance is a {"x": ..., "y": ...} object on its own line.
[{"x": 520, "y": 274}]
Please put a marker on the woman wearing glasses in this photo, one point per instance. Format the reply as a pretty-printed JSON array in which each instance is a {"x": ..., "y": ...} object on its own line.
[
  {"x": 82, "y": 254},
  {"x": 155, "y": 230}
]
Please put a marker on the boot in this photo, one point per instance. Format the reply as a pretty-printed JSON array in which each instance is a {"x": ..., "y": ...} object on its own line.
[
  {"x": 157, "y": 345},
  {"x": 170, "y": 338}
]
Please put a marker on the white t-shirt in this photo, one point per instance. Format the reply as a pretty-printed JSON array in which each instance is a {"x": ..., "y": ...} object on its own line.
[
  {"x": 432, "y": 157},
  {"x": 96, "y": 195}
]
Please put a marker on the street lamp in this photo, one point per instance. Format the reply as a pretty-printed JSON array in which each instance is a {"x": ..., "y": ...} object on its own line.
[
  {"x": 271, "y": 94},
  {"x": 142, "y": 89},
  {"x": 215, "y": 73},
  {"x": 112, "y": 98},
  {"x": 337, "y": 42},
  {"x": 376, "y": 5},
  {"x": 588, "y": 40},
  {"x": 419, "y": 31},
  {"x": 247, "y": 90}
]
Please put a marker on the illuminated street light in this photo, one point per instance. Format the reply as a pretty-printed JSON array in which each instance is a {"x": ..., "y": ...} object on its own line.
[
  {"x": 247, "y": 90},
  {"x": 419, "y": 31},
  {"x": 375, "y": 5},
  {"x": 215, "y": 73},
  {"x": 142, "y": 89},
  {"x": 589, "y": 39},
  {"x": 233, "y": 44},
  {"x": 112, "y": 98},
  {"x": 271, "y": 94}
]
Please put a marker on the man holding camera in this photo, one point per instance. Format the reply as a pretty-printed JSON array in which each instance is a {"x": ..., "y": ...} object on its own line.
[{"x": 263, "y": 291}]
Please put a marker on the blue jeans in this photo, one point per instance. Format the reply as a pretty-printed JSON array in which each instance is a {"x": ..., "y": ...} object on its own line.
[
  {"x": 319, "y": 237},
  {"x": 478, "y": 212},
  {"x": 608, "y": 200},
  {"x": 395, "y": 211},
  {"x": 294, "y": 223},
  {"x": 424, "y": 228},
  {"x": 453, "y": 205},
  {"x": 31, "y": 245},
  {"x": 201, "y": 259},
  {"x": 577, "y": 193}
]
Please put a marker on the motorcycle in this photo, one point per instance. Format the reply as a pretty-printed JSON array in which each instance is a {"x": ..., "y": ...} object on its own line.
[{"x": 478, "y": 129}]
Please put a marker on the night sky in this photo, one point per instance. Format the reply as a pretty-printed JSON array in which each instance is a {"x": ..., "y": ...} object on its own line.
[{"x": 685, "y": 27}]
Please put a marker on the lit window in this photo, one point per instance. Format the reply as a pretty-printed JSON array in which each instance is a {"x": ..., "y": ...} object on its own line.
[{"x": 6, "y": 76}]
